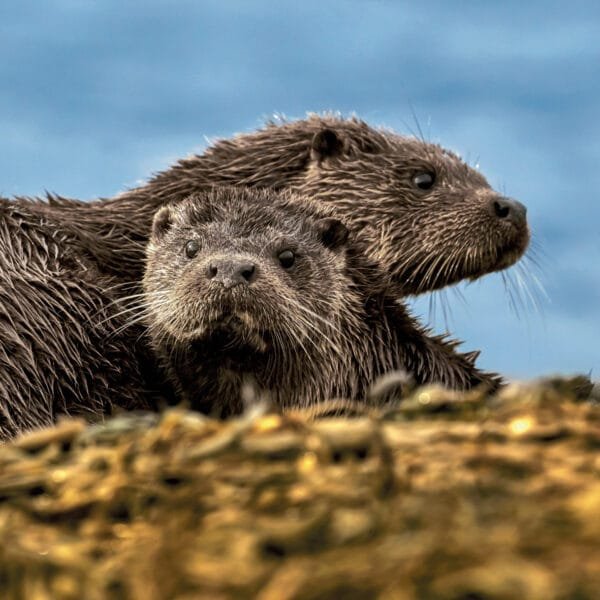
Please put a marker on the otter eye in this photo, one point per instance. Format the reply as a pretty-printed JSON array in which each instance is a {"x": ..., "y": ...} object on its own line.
[
  {"x": 424, "y": 181},
  {"x": 191, "y": 248},
  {"x": 286, "y": 258}
]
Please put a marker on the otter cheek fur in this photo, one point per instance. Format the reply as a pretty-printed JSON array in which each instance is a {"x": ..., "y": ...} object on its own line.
[{"x": 263, "y": 286}]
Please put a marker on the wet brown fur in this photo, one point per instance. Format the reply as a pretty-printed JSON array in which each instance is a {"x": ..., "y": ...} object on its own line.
[
  {"x": 62, "y": 350},
  {"x": 326, "y": 327},
  {"x": 425, "y": 239}
]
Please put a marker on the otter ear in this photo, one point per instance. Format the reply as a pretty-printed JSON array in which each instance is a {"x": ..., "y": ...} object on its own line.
[
  {"x": 333, "y": 233},
  {"x": 163, "y": 220},
  {"x": 326, "y": 143}
]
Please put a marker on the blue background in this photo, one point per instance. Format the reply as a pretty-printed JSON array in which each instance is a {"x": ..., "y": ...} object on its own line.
[{"x": 95, "y": 96}]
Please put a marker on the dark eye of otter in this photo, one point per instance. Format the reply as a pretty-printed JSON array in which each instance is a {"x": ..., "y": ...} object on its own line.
[
  {"x": 191, "y": 248},
  {"x": 425, "y": 180},
  {"x": 286, "y": 258}
]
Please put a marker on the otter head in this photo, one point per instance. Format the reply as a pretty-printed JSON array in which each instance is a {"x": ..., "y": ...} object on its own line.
[
  {"x": 427, "y": 217},
  {"x": 236, "y": 282}
]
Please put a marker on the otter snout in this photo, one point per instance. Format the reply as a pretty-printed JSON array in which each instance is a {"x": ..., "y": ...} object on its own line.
[
  {"x": 231, "y": 271},
  {"x": 507, "y": 209}
]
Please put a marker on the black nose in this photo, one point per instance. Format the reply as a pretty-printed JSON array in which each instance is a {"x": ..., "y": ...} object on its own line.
[
  {"x": 508, "y": 209},
  {"x": 231, "y": 271}
]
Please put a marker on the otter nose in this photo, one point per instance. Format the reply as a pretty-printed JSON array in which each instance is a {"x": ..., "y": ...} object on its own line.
[
  {"x": 508, "y": 209},
  {"x": 231, "y": 271}
]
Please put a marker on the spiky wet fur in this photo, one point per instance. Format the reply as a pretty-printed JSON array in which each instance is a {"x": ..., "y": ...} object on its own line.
[
  {"x": 61, "y": 347},
  {"x": 424, "y": 239},
  {"x": 332, "y": 323}
]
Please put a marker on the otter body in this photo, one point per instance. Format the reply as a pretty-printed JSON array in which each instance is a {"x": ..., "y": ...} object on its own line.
[
  {"x": 264, "y": 287},
  {"x": 425, "y": 216},
  {"x": 62, "y": 350}
]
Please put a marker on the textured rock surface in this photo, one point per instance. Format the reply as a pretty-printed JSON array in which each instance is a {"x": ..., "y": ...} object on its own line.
[{"x": 447, "y": 496}]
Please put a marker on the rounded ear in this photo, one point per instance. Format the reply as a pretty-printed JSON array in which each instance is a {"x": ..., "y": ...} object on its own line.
[
  {"x": 332, "y": 232},
  {"x": 163, "y": 220},
  {"x": 326, "y": 143}
]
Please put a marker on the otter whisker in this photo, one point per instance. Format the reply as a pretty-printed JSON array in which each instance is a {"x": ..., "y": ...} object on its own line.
[
  {"x": 128, "y": 310},
  {"x": 517, "y": 300},
  {"x": 114, "y": 316},
  {"x": 508, "y": 285},
  {"x": 334, "y": 348},
  {"x": 140, "y": 313},
  {"x": 312, "y": 314},
  {"x": 536, "y": 293},
  {"x": 441, "y": 297},
  {"x": 123, "y": 302},
  {"x": 303, "y": 335},
  {"x": 123, "y": 285},
  {"x": 127, "y": 325}
]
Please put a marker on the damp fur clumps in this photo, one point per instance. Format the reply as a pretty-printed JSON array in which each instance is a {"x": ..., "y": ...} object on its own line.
[
  {"x": 65, "y": 348},
  {"x": 268, "y": 289}
]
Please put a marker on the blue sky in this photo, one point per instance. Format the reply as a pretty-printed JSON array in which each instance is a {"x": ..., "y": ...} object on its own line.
[{"x": 95, "y": 96}]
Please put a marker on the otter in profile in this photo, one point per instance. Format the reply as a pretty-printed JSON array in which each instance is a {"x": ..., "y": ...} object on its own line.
[
  {"x": 425, "y": 216},
  {"x": 268, "y": 286},
  {"x": 64, "y": 348}
]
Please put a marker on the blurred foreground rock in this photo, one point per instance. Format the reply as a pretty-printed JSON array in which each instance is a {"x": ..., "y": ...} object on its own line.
[{"x": 448, "y": 496}]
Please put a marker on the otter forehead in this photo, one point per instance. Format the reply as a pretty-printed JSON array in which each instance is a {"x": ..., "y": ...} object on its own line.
[
  {"x": 384, "y": 152},
  {"x": 405, "y": 150},
  {"x": 231, "y": 220},
  {"x": 237, "y": 235}
]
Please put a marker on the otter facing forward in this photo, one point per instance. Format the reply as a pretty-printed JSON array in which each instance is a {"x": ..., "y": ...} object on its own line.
[{"x": 255, "y": 284}]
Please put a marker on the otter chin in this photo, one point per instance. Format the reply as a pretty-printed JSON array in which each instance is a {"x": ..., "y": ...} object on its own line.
[
  {"x": 255, "y": 284},
  {"x": 235, "y": 335},
  {"x": 508, "y": 250}
]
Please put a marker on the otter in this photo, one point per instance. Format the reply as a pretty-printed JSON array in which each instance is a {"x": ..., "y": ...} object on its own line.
[
  {"x": 424, "y": 215},
  {"x": 255, "y": 284},
  {"x": 64, "y": 348}
]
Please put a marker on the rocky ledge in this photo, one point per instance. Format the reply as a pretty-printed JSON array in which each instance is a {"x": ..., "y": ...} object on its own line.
[{"x": 445, "y": 496}]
